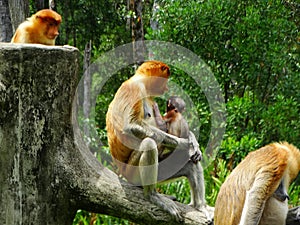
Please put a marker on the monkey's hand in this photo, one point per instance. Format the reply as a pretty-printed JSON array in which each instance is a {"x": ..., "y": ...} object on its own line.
[
  {"x": 156, "y": 109},
  {"x": 194, "y": 151},
  {"x": 161, "y": 124}
]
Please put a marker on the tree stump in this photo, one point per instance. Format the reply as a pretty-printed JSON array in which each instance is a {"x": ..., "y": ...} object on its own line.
[{"x": 46, "y": 171}]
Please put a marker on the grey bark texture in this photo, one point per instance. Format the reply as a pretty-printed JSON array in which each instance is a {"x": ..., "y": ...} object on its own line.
[
  {"x": 19, "y": 11},
  {"x": 46, "y": 171},
  {"x": 6, "y": 31}
]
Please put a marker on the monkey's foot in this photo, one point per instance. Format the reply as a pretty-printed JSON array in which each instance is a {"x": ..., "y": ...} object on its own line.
[
  {"x": 206, "y": 209},
  {"x": 167, "y": 205}
]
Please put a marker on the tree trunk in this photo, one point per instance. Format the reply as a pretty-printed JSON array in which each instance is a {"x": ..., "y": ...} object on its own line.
[
  {"x": 37, "y": 86},
  {"x": 19, "y": 11},
  {"x": 137, "y": 30},
  {"x": 87, "y": 87},
  {"x": 46, "y": 171},
  {"x": 52, "y": 5},
  {"x": 41, "y": 4},
  {"x": 154, "y": 24},
  {"x": 6, "y": 32}
]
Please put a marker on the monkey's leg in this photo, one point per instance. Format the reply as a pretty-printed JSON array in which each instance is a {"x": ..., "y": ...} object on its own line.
[
  {"x": 148, "y": 165},
  {"x": 192, "y": 170},
  {"x": 148, "y": 168},
  {"x": 186, "y": 163},
  {"x": 194, "y": 173}
]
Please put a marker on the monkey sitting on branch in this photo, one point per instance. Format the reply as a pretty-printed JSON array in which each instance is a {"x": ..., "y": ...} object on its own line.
[
  {"x": 134, "y": 138},
  {"x": 255, "y": 193},
  {"x": 40, "y": 28}
]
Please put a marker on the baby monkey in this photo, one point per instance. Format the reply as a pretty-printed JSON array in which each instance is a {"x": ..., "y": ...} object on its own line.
[
  {"x": 175, "y": 124},
  {"x": 172, "y": 122}
]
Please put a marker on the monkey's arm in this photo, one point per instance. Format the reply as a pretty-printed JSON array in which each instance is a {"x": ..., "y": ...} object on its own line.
[
  {"x": 253, "y": 208},
  {"x": 196, "y": 154},
  {"x": 256, "y": 198},
  {"x": 161, "y": 124},
  {"x": 144, "y": 130}
]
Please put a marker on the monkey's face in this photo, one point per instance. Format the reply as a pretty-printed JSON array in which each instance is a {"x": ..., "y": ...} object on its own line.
[
  {"x": 157, "y": 85},
  {"x": 48, "y": 23},
  {"x": 51, "y": 30},
  {"x": 171, "y": 114}
]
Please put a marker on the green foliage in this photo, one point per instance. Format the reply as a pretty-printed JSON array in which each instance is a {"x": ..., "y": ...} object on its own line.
[
  {"x": 280, "y": 120},
  {"x": 86, "y": 218},
  {"x": 100, "y": 21},
  {"x": 215, "y": 176},
  {"x": 234, "y": 150},
  {"x": 179, "y": 188},
  {"x": 246, "y": 43},
  {"x": 267, "y": 123},
  {"x": 294, "y": 193}
]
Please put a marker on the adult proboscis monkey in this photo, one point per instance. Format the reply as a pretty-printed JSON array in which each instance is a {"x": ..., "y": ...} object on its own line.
[
  {"x": 41, "y": 28},
  {"x": 256, "y": 190},
  {"x": 134, "y": 139}
]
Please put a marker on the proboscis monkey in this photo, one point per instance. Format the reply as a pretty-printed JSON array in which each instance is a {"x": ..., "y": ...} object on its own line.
[
  {"x": 134, "y": 138},
  {"x": 256, "y": 190},
  {"x": 40, "y": 28}
]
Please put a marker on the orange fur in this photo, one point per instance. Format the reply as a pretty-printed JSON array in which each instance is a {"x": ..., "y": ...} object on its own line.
[
  {"x": 40, "y": 28},
  {"x": 176, "y": 124},
  {"x": 128, "y": 107},
  {"x": 262, "y": 170}
]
